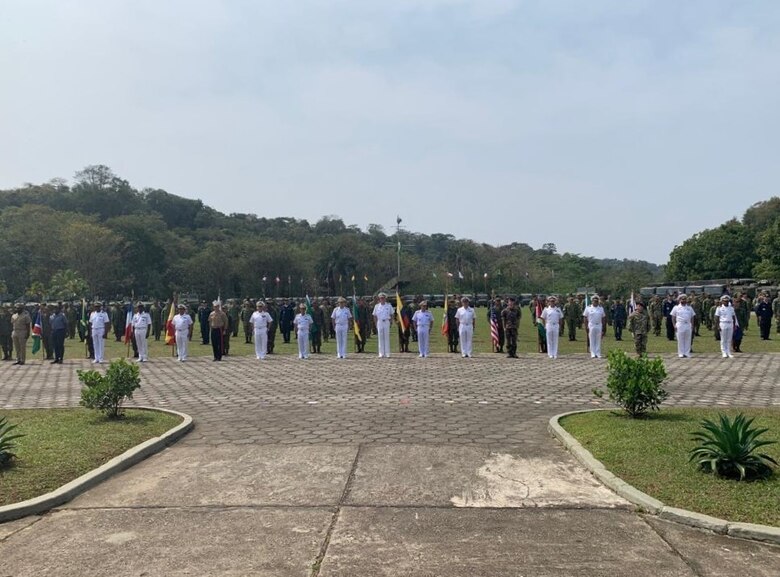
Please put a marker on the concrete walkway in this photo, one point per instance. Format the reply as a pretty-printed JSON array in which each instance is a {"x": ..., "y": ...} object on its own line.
[{"x": 367, "y": 467}]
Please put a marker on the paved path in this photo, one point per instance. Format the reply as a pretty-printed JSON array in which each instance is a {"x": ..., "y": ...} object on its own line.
[{"x": 367, "y": 466}]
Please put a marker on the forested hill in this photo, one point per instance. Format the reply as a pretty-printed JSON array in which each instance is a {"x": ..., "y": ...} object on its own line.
[
  {"x": 101, "y": 237},
  {"x": 744, "y": 248}
]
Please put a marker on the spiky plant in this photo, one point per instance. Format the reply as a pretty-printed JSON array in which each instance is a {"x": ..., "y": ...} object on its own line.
[
  {"x": 729, "y": 448},
  {"x": 7, "y": 441}
]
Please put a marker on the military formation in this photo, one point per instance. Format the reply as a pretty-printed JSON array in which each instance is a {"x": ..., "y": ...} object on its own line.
[{"x": 216, "y": 325}]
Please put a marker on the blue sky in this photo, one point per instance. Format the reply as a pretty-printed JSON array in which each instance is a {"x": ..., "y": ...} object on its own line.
[{"x": 610, "y": 128}]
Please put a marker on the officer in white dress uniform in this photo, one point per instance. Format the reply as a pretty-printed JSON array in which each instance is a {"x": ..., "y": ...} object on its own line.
[
  {"x": 552, "y": 317},
  {"x": 341, "y": 317},
  {"x": 302, "y": 324},
  {"x": 726, "y": 318},
  {"x": 594, "y": 323},
  {"x": 260, "y": 320},
  {"x": 467, "y": 320},
  {"x": 682, "y": 319},
  {"x": 142, "y": 326},
  {"x": 182, "y": 325},
  {"x": 100, "y": 324},
  {"x": 423, "y": 323},
  {"x": 383, "y": 316}
]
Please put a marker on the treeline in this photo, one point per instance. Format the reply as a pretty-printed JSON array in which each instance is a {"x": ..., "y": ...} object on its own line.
[
  {"x": 101, "y": 237},
  {"x": 746, "y": 248}
]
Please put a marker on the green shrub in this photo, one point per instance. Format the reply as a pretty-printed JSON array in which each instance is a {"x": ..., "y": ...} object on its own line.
[
  {"x": 728, "y": 448},
  {"x": 634, "y": 384},
  {"x": 7, "y": 441},
  {"x": 107, "y": 392}
]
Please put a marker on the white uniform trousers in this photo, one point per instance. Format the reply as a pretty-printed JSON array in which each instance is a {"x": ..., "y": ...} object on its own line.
[
  {"x": 99, "y": 345},
  {"x": 683, "y": 340},
  {"x": 466, "y": 333},
  {"x": 143, "y": 346},
  {"x": 261, "y": 343},
  {"x": 303, "y": 344},
  {"x": 383, "y": 338},
  {"x": 182, "y": 344},
  {"x": 341, "y": 342},
  {"x": 553, "y": 332},
  {"x": 423, "y": 340},
  {"x": 594, "y": 338},
  {"x": 726, "y": 334}
]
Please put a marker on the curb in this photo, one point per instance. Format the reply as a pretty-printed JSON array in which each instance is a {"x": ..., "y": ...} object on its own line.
[
  {"x": 88, "y": 480},
  {"x": 646, "y": 503}
]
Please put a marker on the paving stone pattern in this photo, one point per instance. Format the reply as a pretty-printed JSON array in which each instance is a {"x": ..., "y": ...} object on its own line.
[{"x": 487, "y": 400}]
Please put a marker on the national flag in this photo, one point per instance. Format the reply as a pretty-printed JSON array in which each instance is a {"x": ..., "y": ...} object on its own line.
[
  {"x": 339, "y": 278},
  {"x": 494, "y": 325},
  {"x": 129, "y": 325},
  {"x": 84, "y": 321},
  {"x": 313, "y": 329},
  {"x": 353, "y": 278},
  {"x": 631, "y": 304},
  {"x": 538, "y": 310},
  {"x": 170, "y": 332},
  {"x": 355, "y": 322},
  {"x": 460, "y": 275},
  {"x": 37, "y": 331},
  {"x": 399, "y": 306},
  {"x": 445, "y": 323}
]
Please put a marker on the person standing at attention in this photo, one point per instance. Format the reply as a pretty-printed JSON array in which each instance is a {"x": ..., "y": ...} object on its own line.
[
  {"x": 423, "y": 323},
  {"x": 467, "y": 320},
  {"x": 726, "y": 319},
  {"x": 682, "y": 319},
  {"x": 302, "y": 323},
  {"x": 341, "y": 317},
  {"x": 261, "y": 321},
  {"x": 595, "y": 326},
  {"x": 142, "y": 328},
  {"x": 552, "y": 317},
  {"x": 182, "y": 325},
  {"x": 383, "y": 316},
  {"x": 218, "y": 327},
  {"x": 99, "y": 325}
]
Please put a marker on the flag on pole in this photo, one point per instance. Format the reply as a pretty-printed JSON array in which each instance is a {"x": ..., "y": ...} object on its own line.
[
  {"x": 37, "y": 331},
  {"x": 400, "y": 305},
  {"x": 460, "y": 275},
  {"x": 494, "y": 325},
  {"x": 631, "y": 304},
  {"x": 445, "y": 324},
  {"x": 353, "y": 278},
  {"x": 365, "y": 277},
  {"x": 355, "y": 321},
  {"x": 84, "y": 322},
  {"x": 170, "y": 333},
  {"x": 129, "y": 325},
  {"x": 538, "y": 311}
]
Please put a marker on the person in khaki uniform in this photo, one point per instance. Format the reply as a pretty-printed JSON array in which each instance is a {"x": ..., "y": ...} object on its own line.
[
  {"x": 219, "y": 325},
  {"x": 22, "y": 326}
]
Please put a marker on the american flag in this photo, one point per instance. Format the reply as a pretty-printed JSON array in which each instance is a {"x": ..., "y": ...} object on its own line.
[{"x": 494, "y": 326}]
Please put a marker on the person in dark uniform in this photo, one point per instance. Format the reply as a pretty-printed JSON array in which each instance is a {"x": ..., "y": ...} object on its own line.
[
  {"x": 666, "y": 309},
  {"x": 286, "y": 317},
  {"x": 764, "y": 316},
  {"x": 404, "y": 332},
  {"x": 234, "y": 312},
  {"x": 363, "y": 320},
  {"x": 72, "y": 318},
  {"x": 453, "y": 339},
  {"x": 203, "y": 321},
  {"x": 6, "y": 342},
  {"x": 155, "y": 311},
  {"x": 510, "y": 319},
  {"x": 318, "y": 327},
  {"x": 59, "y": 330},
  {"x": 274, "y": 312},
  {"x": 219, "y": 324},
  {"x": 619, "y": 318},
  {"x": 247, "y": 310}
]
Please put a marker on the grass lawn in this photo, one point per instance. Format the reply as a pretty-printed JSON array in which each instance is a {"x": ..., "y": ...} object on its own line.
[
  {"x": 63, "y": 444},
  {"x": 652, "y": 455},
  {"x": 482, "y": 345}
]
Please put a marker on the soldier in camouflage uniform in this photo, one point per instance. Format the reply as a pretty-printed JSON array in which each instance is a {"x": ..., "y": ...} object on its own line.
[
  {"x": 699, "y": 311},
  {"x": 6, "y": 328},
  {"x": 656, "y": 314},
  {"x": 706, "y": 303},
  {"x": 776, "y": 312},
  {"x": 72, "y": 318},
  {"x": 246, "y": 321},
  {"x": 572, "y": 314},
  {"x": 453, "y": 338},
  {"x": 234, "y": 314},
  {"x": 639, "y": 326},
  {"x": 270, "y": 306}
]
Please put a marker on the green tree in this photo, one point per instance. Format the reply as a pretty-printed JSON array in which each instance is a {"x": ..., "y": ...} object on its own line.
[
  {"x": 68, "y": 285},
  {"x": 723, "y": 252}
]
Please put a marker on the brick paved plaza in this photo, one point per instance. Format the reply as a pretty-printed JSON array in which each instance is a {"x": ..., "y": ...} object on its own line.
[{"x": 337, "y": 454}]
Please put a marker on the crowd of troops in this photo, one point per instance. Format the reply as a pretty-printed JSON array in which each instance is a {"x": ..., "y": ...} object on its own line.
[{"x": 217, "y": 325}]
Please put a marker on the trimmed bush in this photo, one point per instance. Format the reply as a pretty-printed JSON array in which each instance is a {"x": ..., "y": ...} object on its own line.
[
  {"x": 634, "y": 384},
  {"x": 107, "y": 392},
  {"x": 728, "y": 448}
]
